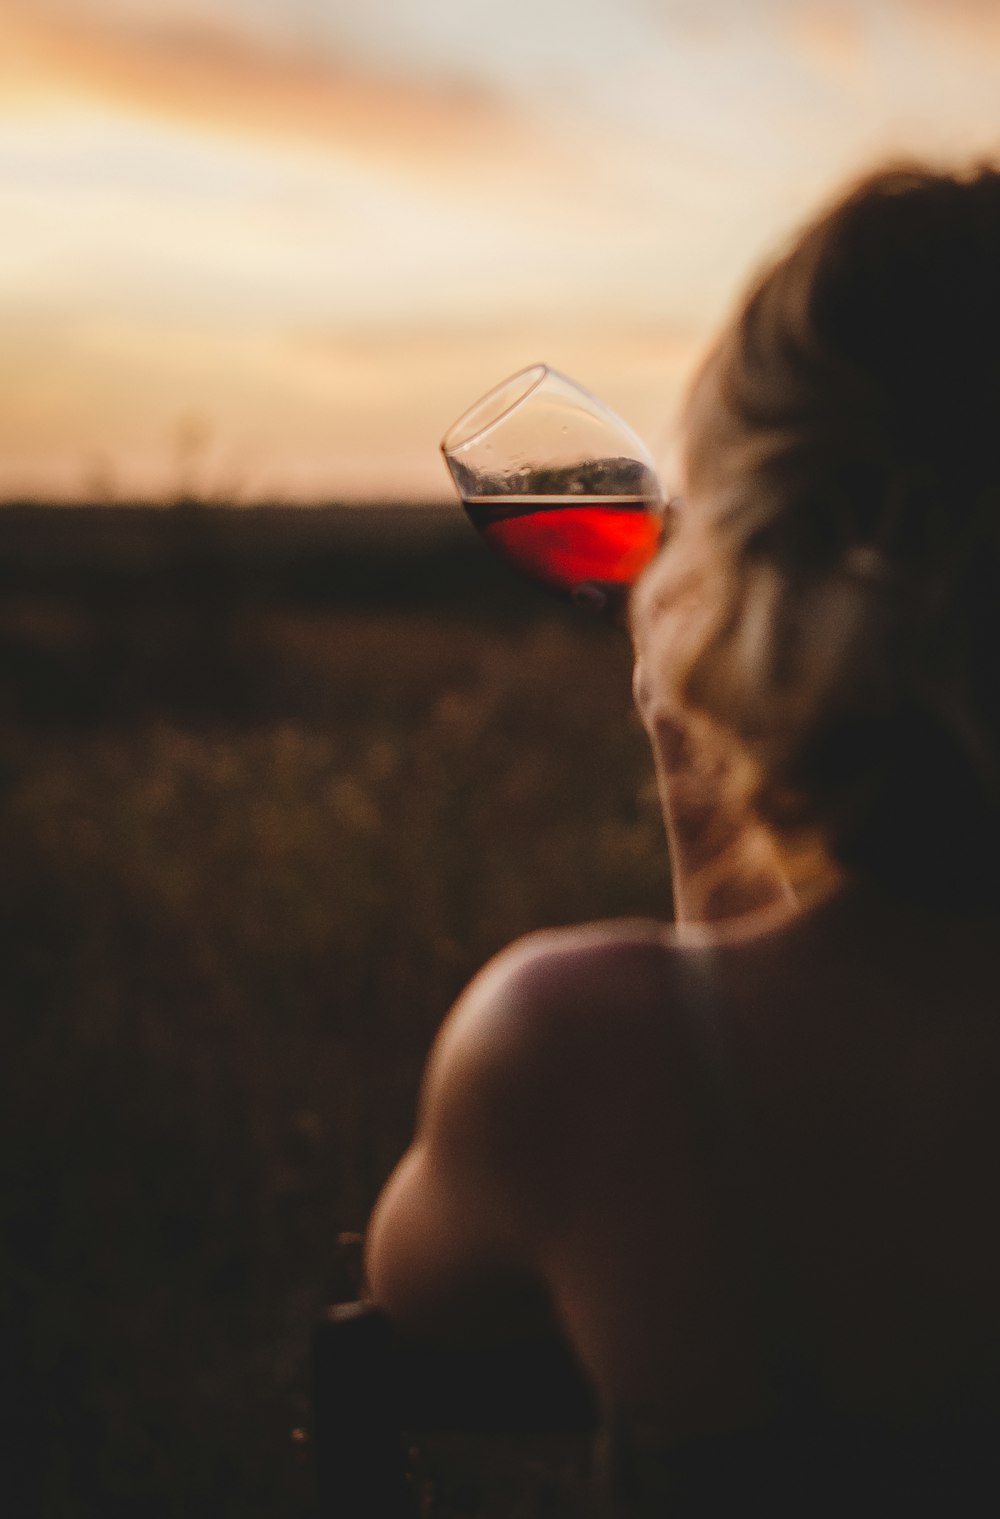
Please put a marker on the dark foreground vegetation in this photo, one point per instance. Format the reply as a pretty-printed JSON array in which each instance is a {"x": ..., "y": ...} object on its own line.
[{"x": 273, "y": 786}]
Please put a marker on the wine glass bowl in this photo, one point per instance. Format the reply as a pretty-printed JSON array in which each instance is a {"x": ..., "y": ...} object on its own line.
[{"x": 555, "y": 482}]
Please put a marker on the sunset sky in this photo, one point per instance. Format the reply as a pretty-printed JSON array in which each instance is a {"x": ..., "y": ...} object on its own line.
[{"x": 268, "y": 249}]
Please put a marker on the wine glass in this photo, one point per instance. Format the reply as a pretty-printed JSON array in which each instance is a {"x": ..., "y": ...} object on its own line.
[{"x": 556, "y": 483}]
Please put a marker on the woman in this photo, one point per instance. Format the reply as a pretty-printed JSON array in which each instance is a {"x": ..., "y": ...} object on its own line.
[{"x": 745, "y": 1163}]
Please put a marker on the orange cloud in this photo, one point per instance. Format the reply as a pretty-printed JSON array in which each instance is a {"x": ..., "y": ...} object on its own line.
[{"x": 211, "y": 78}]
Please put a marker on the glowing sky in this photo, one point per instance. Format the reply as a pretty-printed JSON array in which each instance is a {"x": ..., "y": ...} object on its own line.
[{"x": 270, "y": 248}]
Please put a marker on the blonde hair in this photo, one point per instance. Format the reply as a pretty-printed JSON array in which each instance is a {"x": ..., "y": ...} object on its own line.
[{"x": 843, "y": 537}]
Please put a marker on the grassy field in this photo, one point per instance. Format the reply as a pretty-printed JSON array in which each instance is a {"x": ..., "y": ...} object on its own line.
[{"x": 265, "y": 809}]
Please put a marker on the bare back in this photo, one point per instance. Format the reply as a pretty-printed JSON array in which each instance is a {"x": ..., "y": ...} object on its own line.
[{"x": 796, "y": 1140}]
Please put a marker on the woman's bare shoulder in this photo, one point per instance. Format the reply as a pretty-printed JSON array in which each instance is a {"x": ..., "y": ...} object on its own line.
[
  {"x": 601, "y": 970},
  {"x": 543, "y": 1018},
  {"x": 566, "y": 1057}
]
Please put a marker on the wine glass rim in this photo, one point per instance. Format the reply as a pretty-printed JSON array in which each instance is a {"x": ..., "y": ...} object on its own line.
[{"x": 456, "y": 437}]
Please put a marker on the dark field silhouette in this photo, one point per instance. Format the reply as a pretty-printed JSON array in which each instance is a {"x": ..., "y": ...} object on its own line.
[{"x": 274, "y": 785}]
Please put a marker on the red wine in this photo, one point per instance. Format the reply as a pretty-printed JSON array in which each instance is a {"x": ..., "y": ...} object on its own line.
[{"x": 564, "y": 540}]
